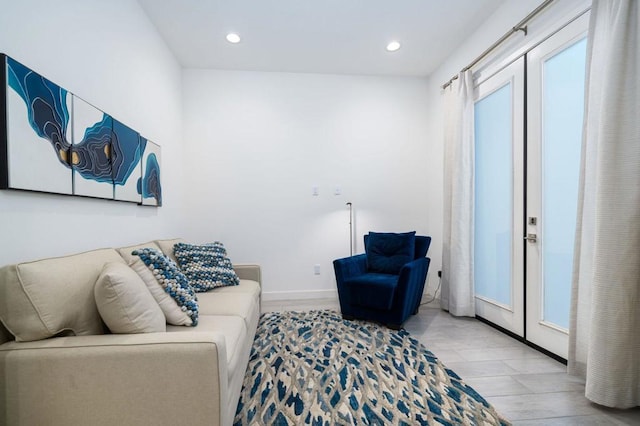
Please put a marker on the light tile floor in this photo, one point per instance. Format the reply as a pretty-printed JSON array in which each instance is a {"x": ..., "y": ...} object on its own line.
[{"x": 527, "y": 387}]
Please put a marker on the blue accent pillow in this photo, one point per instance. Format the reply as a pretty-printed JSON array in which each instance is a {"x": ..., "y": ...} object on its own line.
[
  {"x": 388, "y": 252},
  {"x": 206, "y": 266},
  {"x": 174, "y": 283}
]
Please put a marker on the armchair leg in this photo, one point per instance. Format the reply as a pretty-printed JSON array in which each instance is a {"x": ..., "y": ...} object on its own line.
[
  {"x": 347, "y": 317},
  {"x": 394, "y": 326}
]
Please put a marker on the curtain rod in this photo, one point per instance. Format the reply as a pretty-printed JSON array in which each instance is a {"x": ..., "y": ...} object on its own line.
[{"x": 520, "y": 26}]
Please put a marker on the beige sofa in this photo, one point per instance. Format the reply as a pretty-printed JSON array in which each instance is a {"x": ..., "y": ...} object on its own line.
[{"x": 83, "y": 375}]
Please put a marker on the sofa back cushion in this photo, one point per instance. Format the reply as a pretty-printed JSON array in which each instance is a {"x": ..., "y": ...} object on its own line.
[
  {"x": 166, "y": 246},
  {"x": 49, "y": 297},
  {"x": 126, "y": 252}
]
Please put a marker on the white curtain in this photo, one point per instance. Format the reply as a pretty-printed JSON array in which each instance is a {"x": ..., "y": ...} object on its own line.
[
  {"x": 605, "y": 313},
  {"x": 457, "y": 294}
]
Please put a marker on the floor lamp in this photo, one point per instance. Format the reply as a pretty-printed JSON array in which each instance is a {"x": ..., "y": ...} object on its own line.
[{"x": 350, "y": 228}]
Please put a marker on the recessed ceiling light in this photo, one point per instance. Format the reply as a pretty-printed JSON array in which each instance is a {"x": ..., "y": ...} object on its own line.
[
  {"x": 393, "y": 46},
  {"x": 233, "y": 38}
]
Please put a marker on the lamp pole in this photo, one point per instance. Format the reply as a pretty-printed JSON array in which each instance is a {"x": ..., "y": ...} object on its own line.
[{"x": 350, "y": 228}]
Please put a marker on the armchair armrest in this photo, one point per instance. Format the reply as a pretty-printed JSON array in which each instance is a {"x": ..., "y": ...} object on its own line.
[
  {"x": 413, "y": 268},
  {"x": 411, "y": 283},
  {"x": 155, "y": 378},
  {"x": 344, "y": 269},
  {"x": 349, "y": 267}
]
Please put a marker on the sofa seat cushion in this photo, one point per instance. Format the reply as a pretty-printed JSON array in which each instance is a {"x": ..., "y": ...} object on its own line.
[
  {"x": 51, "y": 297},
  {"x": 236, "y": 304},
  {"x": 125, "y": 303},
  {"x": 245, "y": 287},
  {"x": 373, "y": 290},
  {"x": 231, "y": 327}
]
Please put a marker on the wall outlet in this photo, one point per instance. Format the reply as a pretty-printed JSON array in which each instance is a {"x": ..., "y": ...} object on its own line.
[
  {"x": 439, "y": 274},
  {"x": 315, "y": 191},
  {"x": 316, "y": 269}
]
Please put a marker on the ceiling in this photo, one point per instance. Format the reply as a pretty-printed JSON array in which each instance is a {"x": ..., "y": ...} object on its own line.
[{"x": 317, "y": 36}]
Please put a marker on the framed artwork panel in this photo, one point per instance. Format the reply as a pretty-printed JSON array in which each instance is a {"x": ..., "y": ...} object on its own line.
[
  {"x": 150, "y": 186},
  {"x": 125, "y": 159},
  {"x": 4, "y": 149},
  {"x": 54, "y": 141},
  {"x": 91, "y": 151},
  {"x": 36, "y": 138}
]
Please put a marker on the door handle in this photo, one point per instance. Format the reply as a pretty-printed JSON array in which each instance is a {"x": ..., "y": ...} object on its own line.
[{"x": 531, "y": 238}]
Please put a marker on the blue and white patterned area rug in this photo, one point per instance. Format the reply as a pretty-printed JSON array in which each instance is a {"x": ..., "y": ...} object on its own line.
[{"x": 315, "y": 368}]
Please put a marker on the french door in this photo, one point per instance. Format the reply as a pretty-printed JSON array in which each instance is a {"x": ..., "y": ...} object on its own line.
[
  {"x": 528, "y": 133},
  {"x": 555, "y": 110},
  {"x": 499, "y": 190}
]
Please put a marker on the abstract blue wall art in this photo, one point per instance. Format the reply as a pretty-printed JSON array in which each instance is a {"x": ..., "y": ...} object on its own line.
[
  {"x": 53, "y": 141},
  {"x": 91, "y": 151},
  {"x": 149, "y": 185},
  {"x": 36, "y": 141},
  {"x": 125, "y": 162}
]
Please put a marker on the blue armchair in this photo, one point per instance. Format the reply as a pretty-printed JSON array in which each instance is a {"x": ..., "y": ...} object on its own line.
[{"x": 385, "y": 284}]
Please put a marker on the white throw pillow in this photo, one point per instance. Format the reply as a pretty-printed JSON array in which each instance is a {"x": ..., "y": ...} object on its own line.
[{"x": 124, "y": 302}]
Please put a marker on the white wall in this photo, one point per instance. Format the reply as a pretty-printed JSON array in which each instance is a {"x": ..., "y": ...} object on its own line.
[
  {"x": 501, "y": 21},
  {"x": 108, "y": 53},
  {"x": 256, "y": 143}
]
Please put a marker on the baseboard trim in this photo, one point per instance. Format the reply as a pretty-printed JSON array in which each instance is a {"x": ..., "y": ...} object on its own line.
[{"x": 269, "y": 296}]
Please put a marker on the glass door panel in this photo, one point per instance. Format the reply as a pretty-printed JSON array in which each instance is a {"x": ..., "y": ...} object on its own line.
[
  {"x": 563, "y": 108},
  {"x": 498, "y": 248},
  {"x": 493, "y": 195}
]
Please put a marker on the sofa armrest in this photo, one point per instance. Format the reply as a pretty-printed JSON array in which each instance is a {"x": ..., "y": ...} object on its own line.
[
  {"x": 248, "y": 272},
  {"x": 155, "y": 378}
]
